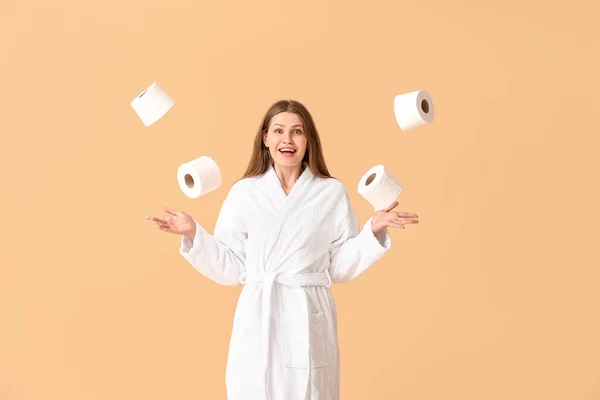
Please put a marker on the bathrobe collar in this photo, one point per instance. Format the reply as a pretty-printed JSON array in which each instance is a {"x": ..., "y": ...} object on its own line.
[{"x": 299, "y": 187}]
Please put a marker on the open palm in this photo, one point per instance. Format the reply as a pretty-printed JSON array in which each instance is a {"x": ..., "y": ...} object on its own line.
[
  {"x": 176, "y": 222},
  {"x": 392, "y": 219}
]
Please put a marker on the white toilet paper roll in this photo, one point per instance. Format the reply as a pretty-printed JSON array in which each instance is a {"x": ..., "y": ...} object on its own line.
[
  {"x": 379, "y": 187},
  {"x": 413, "y": 110},
  {"x": 152, "y": 104},
  {"x": 199, "y": 176}
]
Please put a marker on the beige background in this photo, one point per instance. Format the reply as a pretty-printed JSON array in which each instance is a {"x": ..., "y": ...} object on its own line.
[{"x": 493, "y": 296}]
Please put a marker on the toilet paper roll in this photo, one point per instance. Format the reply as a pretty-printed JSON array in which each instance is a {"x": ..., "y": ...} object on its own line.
[
  {"x": 379, "y": 187},
  {"x": 413, "y": 110},
  {"x": 199, "y": 176},
  {"x": 152, "y": 104}
]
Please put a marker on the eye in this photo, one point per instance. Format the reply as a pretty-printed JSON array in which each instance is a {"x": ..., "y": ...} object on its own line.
[{"x": 299, "y": 131}]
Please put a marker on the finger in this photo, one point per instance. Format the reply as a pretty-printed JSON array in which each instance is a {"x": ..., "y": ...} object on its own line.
[
  {"x": 169, "y": 230},
  {"x": 391, "y": 206},
  {"x": 164, "y": 225},
  {"x": 407, "y": 221},
  {"x": 407, "y": 215},
  {"x": 395, "y": 225},
  {"x": 170, "y": 210},
  {"x": 161, "y": 225},
  {"x": 155, "y": 219},
  {"x": 161, "y": 221}
]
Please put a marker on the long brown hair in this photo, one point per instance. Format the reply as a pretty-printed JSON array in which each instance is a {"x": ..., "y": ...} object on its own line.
[{"x": 261, "y": 160}]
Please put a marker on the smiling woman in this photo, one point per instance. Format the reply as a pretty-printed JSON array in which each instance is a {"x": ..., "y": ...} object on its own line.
[{"x": 286, "y": 231}]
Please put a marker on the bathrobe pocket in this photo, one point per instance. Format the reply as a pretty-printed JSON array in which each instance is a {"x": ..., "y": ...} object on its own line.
[
  {"x": 295, "y": 337},
  {"x": 244, "y": 349}
]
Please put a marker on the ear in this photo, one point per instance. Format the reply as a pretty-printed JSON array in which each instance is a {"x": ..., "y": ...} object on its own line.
[{"x": 265, "y": 139}]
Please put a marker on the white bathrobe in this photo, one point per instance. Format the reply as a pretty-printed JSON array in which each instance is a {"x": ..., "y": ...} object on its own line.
[{"x": 286, "y": 250}]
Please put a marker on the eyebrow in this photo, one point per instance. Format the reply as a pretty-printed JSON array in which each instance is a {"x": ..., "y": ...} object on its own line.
[{"x": 292, "y": 126}]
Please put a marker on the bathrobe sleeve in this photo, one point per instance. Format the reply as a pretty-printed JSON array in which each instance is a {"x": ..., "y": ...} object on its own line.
[
  {"x": 354, "y": 250},
  {"x": 220, "y": 257}
]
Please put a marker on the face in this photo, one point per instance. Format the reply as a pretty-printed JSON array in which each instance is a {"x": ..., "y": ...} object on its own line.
[{"x": 286, "y": 140}]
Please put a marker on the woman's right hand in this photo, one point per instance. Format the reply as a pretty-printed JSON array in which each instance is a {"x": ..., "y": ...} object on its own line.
[{"x": 176, "y": 222}]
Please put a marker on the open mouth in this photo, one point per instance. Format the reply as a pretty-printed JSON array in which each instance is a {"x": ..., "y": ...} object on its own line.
[{"x": 287, "y": 152}]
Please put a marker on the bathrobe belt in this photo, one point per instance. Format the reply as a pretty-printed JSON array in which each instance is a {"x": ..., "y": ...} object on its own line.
[{"x": 299, "y": 280}]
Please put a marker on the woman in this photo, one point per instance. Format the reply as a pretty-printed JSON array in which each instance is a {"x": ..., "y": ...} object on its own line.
[{"x": 286, "y": 230}]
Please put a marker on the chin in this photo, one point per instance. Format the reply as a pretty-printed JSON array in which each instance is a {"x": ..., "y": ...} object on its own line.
[{"x": 286, "y": 162}]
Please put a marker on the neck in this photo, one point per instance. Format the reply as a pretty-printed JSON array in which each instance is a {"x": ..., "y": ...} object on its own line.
[{"x": 288, "y": 175}]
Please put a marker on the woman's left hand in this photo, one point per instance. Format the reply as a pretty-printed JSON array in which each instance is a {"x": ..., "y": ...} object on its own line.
[{"x": 387, "y": 218}]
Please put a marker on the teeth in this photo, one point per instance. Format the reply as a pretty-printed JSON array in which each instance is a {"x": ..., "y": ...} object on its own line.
[{"x": 287, "y": 150}]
